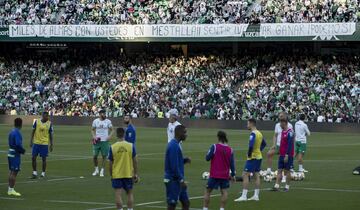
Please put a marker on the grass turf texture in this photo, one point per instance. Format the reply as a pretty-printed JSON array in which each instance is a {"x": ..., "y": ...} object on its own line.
[{"x": 329, "y": 185}]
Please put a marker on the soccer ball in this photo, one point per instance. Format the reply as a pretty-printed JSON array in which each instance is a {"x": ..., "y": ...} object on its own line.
[
  {"x": 205, "y": 175},
  {"x": 262, "y": 173},
  {"x": 293, "y": 175},
  {"x": 301, "y": 176},
  {"x": 268, "y": 178}
]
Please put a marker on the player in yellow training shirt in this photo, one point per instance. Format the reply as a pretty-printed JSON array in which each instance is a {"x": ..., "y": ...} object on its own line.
[
  {"x": 41, "y": 141},
  {"x": 123, "y": 169},
  {"x": 253, "y": 164}
]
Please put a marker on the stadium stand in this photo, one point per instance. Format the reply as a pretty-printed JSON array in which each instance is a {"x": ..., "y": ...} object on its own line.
[
  {"x": 176, "y": 11},
  {"x": 326, "y": 89}
]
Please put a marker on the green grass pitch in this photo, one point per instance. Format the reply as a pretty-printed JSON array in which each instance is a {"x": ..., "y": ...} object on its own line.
[{"x": 329, "y": 185}]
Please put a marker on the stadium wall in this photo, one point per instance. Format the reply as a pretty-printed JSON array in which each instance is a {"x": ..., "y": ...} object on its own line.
[{"x": 204, "y": 123}]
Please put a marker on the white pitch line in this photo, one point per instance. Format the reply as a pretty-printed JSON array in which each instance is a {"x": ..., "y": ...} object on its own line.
[
  {"x": 53, "y": 160},
  {"x": 48, "y": 180},
  {"x": 107, "y": 207},
  {"x": 78, "y": 202},
  {"x": 9, "y": 198},
  {"x": 164, "y": 207},
  {"x": 325, "y": 189},
  {"x": 154, "y": 202},
  {"x": 61, "y": 179}
]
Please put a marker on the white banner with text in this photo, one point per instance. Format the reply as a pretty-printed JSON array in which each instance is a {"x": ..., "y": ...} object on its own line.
[{"x": 106, "y": 31}]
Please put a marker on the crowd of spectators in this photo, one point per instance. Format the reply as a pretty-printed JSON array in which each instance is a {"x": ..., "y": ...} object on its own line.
[
  {"x": 213, "y": 86},
  {"x": 306, "y": 11},
  {"x": 176, "y": 11}
]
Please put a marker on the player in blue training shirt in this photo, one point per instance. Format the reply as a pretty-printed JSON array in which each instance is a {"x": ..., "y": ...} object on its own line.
[
  {"x": 130, "y": 132},
  {"x": 14, "y": 159},
  {"x": 176, "y": 188}
]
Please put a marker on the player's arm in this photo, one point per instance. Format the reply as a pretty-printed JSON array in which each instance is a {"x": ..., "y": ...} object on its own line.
[
  {"x": 307, "y": 130},
  {"x": 93, "y": 129},
  {"x": 133, "y": 135},
  {"x": 263, "y": 144},
  {"x": 51, "y": 136},
  {"x": 33, "y": 133},
  {"x": 290, "y": 140},
  {"x": 175, "y": 163},
  {"x": 210, "y": 153},
  {"x": 111, "y": 131},
  {"x": 135, "y": 165},
  {"x": 110, "y": 158},
  {"x": 251, "y": 144},
  {"x": 274, "y": 140},
  {"x": 232, "y": 165},
  {"x": 18, "y": 145}
]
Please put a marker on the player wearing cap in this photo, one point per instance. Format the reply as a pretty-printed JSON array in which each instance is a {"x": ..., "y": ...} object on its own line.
[{"x": 173, "y": 115}]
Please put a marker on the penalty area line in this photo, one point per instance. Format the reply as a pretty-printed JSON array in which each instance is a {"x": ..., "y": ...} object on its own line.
[{"x": 146, "y": 205}]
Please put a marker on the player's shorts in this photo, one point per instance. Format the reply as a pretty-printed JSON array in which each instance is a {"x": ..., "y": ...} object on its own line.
[
  {"x": 125, "y": 183},
  {"x": 14, "y": 163},
  {"x": 174, "y": 192},
  {"x": 103, "y": 147},
  {"x": 287, "y": 166},
  {"x": 39, "y": 149},
  {"x": 214, "y": 183},
  {"x": 252, "y": 166},
  {"x": 300, "y": 147}
]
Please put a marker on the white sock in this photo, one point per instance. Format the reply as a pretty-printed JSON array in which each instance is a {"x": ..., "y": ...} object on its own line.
[
  {"x": 96, "y": 168},
  {"x": 130, "y": 209},
  {"x": 301, "y": 167},
  {"x": 222, "y": 208},
  {"x": 287, "y": 186},
  {"x": 257, "y": 191},
  {"x": 10, "y": 189},
  {"x": 268, "y": 170},
  {"x": 43, "y": 173},
  {"x": 244, "y": 193},
  {"x": 35, "y": 173},
  {"x": 277, "y": 186},
  {"x": 102, "y": 169},
  {"x": 204, "y": 208}
]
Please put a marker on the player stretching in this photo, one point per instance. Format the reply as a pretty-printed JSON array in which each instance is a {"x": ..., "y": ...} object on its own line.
[
  {"x": 14, "y": 159},
  {"x": 172, "y": 124},
  {"x": 301, "y": 131},
  {"x": 130, "y": 132},
  {"x": 41, "y": 136},
  {"x": 176, "y": 188},
  {"x": 253, "y": 164},
  {"x": 222, "y": 161},
  {"x": 123, "y": 169},
  {"x": 101, "y": 127},
  {"x": 286, "y": 157}
]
